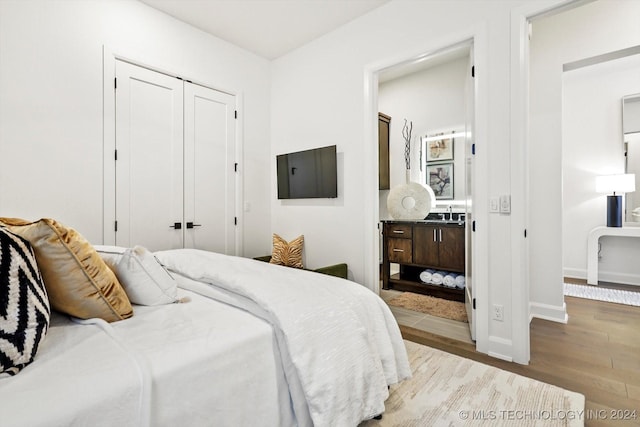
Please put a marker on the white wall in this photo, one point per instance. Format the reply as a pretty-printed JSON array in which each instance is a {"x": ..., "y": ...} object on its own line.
[
  {"x": 318, "y": 97},
  {"x": 592, "y": 146},
  {"x": 51, "y": 104},
  {"x": 434, "y": 100},
  {"x": 589, "y": 30}
]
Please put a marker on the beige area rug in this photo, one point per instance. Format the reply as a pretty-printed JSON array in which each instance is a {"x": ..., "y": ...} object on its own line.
[
  {"x": 439, "y": 307},
  {"x": 449, "y": 390}
]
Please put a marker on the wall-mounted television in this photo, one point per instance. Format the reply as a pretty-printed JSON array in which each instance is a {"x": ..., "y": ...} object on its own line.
[{"x": 308, "y": 174}]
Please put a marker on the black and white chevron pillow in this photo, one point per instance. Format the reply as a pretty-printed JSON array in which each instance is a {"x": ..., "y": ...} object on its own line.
[{"x": 24, "y": 305}]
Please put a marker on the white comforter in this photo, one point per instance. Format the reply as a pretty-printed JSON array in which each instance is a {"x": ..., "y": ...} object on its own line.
[
  {"x": 341, "y": 346},
  {"x": 201, "y": 363}
]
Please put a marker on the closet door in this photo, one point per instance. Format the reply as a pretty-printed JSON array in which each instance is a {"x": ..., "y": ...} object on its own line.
[
  {"x": 149, "y": 165},
  {"x": 210, "y": 178}
]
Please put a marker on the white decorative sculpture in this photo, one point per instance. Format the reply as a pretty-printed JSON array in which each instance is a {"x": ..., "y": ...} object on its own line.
[{"x": 410, "y": 200}]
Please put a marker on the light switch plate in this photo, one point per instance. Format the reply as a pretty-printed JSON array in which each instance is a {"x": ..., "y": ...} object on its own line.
[
  {"x": 494, "y": 204},
  {"x": 505, "y": 204}
]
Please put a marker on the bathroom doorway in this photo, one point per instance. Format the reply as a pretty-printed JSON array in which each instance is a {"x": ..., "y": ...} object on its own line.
[{"x": 425, "y": 103}]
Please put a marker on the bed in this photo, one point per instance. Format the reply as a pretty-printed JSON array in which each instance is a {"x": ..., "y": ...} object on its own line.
[{"x": 247, "y": 343}]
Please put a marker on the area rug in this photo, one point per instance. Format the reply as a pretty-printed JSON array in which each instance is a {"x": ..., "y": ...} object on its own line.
[
  {"x": 449, "y": 390},
  {"x": 439, "y": 307},
  {"x": 602, "y": 294}
]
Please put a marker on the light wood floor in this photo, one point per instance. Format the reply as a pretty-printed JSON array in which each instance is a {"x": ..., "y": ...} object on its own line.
[{"x": 597, "y": 353}]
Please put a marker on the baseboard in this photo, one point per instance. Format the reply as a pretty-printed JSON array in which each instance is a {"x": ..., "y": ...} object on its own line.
[
  {"x": 500, "y": 347},
  {"x": 621, "y": 278},
  {"x": 575, "y": 273},
  {"x": 548, "y": 312},
  {"x": 604, "y": 276}
]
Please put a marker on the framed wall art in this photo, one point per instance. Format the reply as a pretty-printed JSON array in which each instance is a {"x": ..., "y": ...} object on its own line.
[
  {"x": 439, "y": 149},
  {"x": 440, "y": 179}
]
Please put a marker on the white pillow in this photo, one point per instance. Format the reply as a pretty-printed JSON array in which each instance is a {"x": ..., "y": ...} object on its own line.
[
  {"x": 143, "y": 278},
  {"x": 110, "y": 254}
]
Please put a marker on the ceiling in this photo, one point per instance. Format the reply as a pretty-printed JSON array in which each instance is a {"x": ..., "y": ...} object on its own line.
[{"x": 268, "y": 28}]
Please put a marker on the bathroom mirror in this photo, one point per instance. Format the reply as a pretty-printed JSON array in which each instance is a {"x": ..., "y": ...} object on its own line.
[{"x": 631, "y": 140}]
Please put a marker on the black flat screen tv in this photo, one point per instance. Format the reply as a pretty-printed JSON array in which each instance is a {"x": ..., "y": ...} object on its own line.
[{"x": 309, "y": 174}]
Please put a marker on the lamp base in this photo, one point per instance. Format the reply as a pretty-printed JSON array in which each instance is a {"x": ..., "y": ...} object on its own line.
[{"x": 614, "y": 211}]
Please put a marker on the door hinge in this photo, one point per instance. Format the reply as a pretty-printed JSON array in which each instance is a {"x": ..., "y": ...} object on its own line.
[
  {"x": 473, "y": 71},
  {"x": 474, "y": 303},
  {"x": 235, "y": 167},
  {"x": 115, "y": 226},
  {"x": 473, "y": 225},
  {"x": 473, "y": 148},
  {"x": 115, "y": 83},
  {"x": 115, "y": 154},
  {"x": 235, "y": 114},
  {"x": 235, "y": 220}
]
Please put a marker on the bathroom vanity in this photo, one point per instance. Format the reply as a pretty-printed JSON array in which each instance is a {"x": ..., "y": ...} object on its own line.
[{"x": 418, "y": 245}]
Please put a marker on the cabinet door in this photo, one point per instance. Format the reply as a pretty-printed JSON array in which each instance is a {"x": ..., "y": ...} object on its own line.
[
  {"x": 383, "y": 151},
  {"x": 452, "y": 249},
  {"x": 425, "y": 245}
]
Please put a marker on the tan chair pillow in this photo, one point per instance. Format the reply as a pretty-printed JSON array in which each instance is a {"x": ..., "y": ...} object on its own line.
[
  {"x": 287, "y": 253},
  {"x": 78, "y": 281}
]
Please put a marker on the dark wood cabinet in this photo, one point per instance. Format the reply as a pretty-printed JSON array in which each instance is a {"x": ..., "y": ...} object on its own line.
[
  {"x": 440, "y": 247},
  {"x": 384, "y": 122},
  {"x": 417, "y": 246}
]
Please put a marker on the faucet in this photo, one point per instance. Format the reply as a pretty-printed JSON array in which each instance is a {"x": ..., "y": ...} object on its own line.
[{"x": 450, "y": 213}]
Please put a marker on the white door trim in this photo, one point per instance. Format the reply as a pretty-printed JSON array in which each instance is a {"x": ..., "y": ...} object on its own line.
[
  {"x": 519, "y": 125},
  {"x": 477, "y": 36},
  {"x": 109, "y": 57}
]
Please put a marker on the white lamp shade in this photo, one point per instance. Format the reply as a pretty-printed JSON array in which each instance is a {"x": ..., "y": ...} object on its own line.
[{"x": 622, "y": 183}]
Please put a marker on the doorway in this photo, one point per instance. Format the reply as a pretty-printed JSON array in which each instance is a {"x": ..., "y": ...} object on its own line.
[
  {"x": 432, "y": 96},
  {"x": 568, "y": 49}
]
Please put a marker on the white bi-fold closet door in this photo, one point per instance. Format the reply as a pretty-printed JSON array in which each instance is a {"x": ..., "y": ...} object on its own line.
[{"x": 174, "y": 164}]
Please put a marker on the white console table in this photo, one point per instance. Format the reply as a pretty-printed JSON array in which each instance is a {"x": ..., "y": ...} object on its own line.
[{"x": 592, "y": 247}]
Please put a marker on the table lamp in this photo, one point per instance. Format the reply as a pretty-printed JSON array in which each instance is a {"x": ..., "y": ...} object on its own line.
[{"x": 621, "y": 183}]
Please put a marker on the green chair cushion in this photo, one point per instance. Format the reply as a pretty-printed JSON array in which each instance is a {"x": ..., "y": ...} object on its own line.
[{"x": 338, "y": 270}]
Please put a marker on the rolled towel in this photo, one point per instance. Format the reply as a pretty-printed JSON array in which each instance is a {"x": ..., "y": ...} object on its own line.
[
  {"x": 459, "y": 281},
  {"x": 425, "y": 276},
  {"x": 437, "y": 278},
  {"x": 449, "y": 280}
]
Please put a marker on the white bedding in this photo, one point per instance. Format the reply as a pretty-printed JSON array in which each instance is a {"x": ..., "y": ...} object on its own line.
[
  {"x": 339, "y": 341},
  {"x": 211, "y": 364}
]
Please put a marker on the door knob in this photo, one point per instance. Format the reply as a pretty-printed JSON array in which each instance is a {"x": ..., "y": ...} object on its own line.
[
  {"x": 176, "y": 225},
  {"x": 191, "y": 225}
]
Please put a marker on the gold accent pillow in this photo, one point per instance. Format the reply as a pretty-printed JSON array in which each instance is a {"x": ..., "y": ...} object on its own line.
[
  {"x": 78, "y": 281},
  {"x": 287, "y": 253}
]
